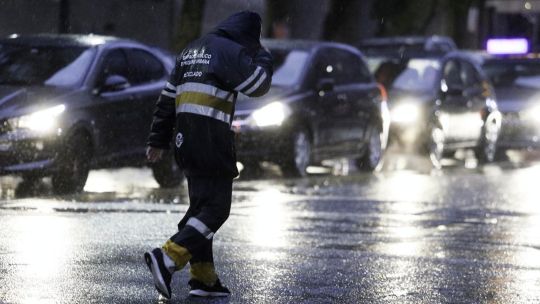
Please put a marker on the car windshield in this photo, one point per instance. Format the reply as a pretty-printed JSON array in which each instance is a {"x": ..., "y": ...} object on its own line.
[
  {"x": 288, "y": 66},
  {"x": 44, "y": 65},
  {"x": 418, "y": 75},
  {"x": 516, "y": 74}
]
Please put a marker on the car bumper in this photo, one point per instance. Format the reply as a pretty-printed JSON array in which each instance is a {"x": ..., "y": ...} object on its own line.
[
  {"x": 22, "y": 152},
  {"x": 265, "y": 144}
]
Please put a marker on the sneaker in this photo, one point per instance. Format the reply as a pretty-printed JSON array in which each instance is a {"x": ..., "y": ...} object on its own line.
[
  {"x": 200, "y": 289},
  {"x": 161, "y": 273}
]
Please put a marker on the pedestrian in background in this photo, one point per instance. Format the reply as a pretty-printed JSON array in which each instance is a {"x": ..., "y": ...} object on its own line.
[{"x": 198, "y": 105}]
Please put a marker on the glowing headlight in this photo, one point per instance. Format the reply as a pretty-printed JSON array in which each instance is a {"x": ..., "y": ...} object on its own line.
[
  {"x": 534, "y": 113},
  {"x": 272, "y": 114},
  {"x": 41, "y": 121},
  {"x": 405, "y": 113}
]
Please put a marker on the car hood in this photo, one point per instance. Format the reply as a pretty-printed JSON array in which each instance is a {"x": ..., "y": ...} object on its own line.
[
  {"x": 397, "y": 96},
  {"x": 246, "y": 104},
  {"x": 21, "y": 100},
  {"x": 515, "y": 99}
]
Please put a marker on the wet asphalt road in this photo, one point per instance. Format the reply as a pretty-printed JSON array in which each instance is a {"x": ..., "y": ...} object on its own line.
[{"x": 460, "y": 235}]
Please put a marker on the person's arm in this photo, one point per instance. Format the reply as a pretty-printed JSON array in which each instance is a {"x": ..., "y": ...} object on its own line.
[
  {"x": 163, "y": 121},
  {"x": 250, "y": 75}
]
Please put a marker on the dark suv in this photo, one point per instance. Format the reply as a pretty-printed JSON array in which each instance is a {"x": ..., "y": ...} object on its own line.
[
  {"x": 69, "y": 103},
  {"x": 323, "y": 104}
]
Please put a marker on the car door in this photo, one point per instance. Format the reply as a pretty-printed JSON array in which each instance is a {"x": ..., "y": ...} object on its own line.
[
  {"x": 147, "y": 76},
  {"x": 358, "y": 92},
  {"x": 475, "y": 100},
  {"x": 108, "y": 108},
  {"x": 333, "y": 103},
  {"x": 453, "y": 108}
]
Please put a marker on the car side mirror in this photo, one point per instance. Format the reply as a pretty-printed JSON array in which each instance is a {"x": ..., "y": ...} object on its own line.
[
  {"x": 325, "y": 85},
  {"x": 114, "y": 83}
]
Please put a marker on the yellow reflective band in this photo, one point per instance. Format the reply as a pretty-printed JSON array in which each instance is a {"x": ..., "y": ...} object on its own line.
[
  {"x": 177, "y": 253},
  {"x": 204, "y": 100},
  {"x": 204, "y": 272}
]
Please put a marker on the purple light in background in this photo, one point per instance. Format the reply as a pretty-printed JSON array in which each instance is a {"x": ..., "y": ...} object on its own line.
[{"x": 507, "y": 46}]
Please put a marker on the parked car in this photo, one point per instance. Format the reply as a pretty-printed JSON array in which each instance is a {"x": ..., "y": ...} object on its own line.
[
  {"x": 69, "y": 103},
  {"x": 444, "y": 103},
  {"x": 516, "y": 80},
  {"x": 323, "y": 104}
]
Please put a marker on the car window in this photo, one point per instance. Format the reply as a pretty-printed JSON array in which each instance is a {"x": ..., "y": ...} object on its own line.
[
  {"x": 353, "y": 68},
  {"x": 469, "y": 75},
  {"x": 288, "y": 66},
  {"x": 324, "y": 67},
  {"x": 144, "y": 67},
  {"x": 44, "y": 65},
  {"x": 452, "y": 74},
  {"x": 419, "y": 75},
  {"x": 114, "y": 63},
  {"x": 507, "y": 73}
]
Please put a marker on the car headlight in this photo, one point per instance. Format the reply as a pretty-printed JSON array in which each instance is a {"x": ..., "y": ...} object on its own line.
[
  {"x": 42, "y": 121},
  {"x": 405, "y": 113},
  {"x": 534, "y": 113},
  {"x": 272, "y": 114}
]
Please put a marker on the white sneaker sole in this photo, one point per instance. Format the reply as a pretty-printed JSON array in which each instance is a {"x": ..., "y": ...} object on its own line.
[
  {"x": 204, "y": 293},
  {"x": 159, "y": 282}
]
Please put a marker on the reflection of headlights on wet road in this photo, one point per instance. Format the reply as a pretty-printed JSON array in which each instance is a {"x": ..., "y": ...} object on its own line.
[
  {"x": 42, "y": 121},
  {"x": 405, "y": 113},
  {"x": 272, "y": 114}
]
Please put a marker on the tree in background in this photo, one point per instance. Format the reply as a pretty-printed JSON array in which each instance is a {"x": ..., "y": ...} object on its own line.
[
  {"x": 342, "y": 21},
  {"x": 414, "y": 17},
  {"x": 277, "y": 17},
  {"x": 190, "y": 23},
  {"x": 404, "y": 17}
]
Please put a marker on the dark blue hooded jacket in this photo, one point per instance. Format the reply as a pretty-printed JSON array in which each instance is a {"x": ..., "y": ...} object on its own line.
[{"x": 201, "y": 94}]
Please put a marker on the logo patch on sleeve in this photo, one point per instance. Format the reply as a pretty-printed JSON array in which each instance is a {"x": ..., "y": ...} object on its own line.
[{"x": 179, "y": 139}]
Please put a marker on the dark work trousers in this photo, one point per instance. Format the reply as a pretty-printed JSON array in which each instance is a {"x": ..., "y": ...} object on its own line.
[{"x": 209, "y": 207}]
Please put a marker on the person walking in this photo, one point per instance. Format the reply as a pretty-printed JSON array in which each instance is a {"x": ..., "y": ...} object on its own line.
[{"x": 198, "y": 105}]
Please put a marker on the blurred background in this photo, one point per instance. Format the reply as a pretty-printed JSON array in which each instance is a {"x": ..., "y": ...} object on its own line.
[{"x": 170, "y": 24}]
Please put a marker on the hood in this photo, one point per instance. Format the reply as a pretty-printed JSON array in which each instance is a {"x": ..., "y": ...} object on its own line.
[
  {"x": 243, "y": 28},
  {"x": 245, "y": 103},
  {"x": 21, "y": 100},
  {"x": 515, "y": 99}
]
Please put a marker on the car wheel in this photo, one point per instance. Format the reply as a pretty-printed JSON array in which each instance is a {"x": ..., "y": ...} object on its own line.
[
  {"x": 374, "y": 152},
  {"x": 299, "y": 155},
  {"x": 251, "y": 169},
  {"x": 166, "y": 171},
  {"x": 436, "y": 145},
  {"x": 486, "y": 152},
  {"x": 73, "y": 166}
]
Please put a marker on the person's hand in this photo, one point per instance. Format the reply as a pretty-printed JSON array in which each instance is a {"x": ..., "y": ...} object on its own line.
[{"x": 153, "y": 154}]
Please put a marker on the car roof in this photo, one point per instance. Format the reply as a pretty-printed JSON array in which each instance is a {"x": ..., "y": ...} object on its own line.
[
  {"x": 306, "y": 45},
  {"x": 88, "y": 40},
  {"x": 406, "y": 40}
]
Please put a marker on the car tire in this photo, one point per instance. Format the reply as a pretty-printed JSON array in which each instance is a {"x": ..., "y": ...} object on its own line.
[
  {"x": 166, "y": 171},
  {"x": 251, "y": 169},
  {"x": 73, "y": 166},
  {"x": 435, "y": 145},
  {"x": 373, "y": 154},
  {"x": 486, "y": 151},
  {"x": 298, "y": 156}
]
